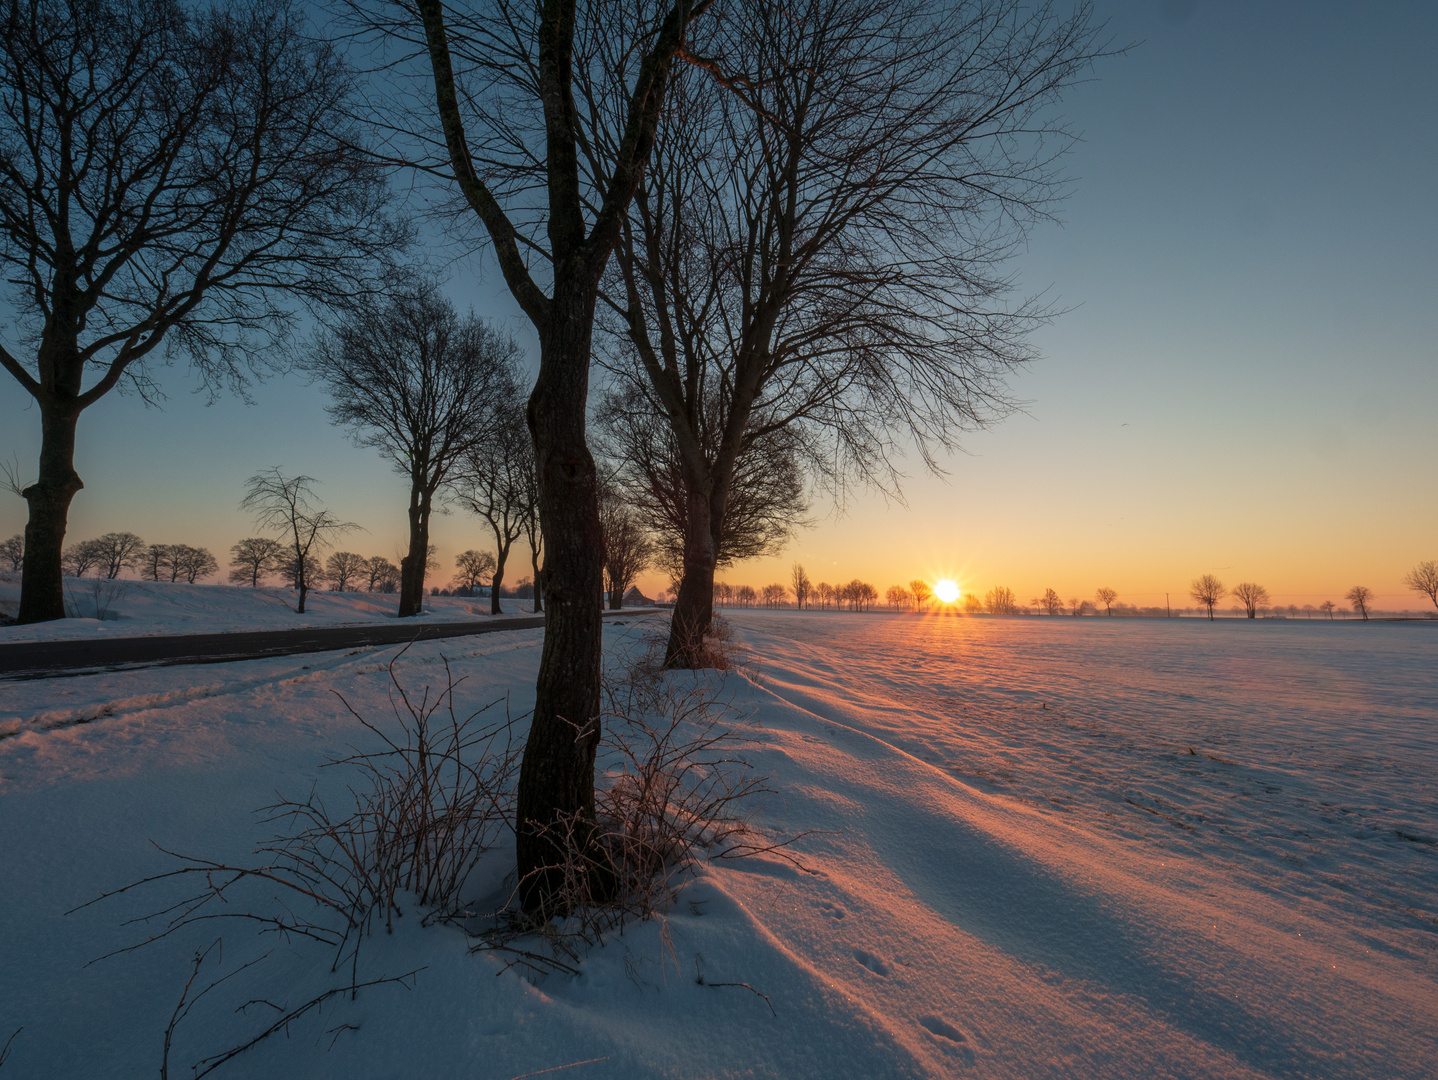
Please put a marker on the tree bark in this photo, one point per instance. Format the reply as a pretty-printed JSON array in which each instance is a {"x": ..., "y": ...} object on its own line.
[
  {"x": 694, "y": 602},
  {"x": 556, "y": 779},
  {"x": 412, "y": 566},
  {"x": 497, "y": 580},
  {"x": 42, "y": 588}
]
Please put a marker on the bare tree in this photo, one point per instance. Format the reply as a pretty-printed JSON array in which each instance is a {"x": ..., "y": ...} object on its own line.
[
  {"x": 194, "y": 563},
  {"x": 898, "y": 598},
  {"x": 1423, "y": 578},
  {"x": 972, "y": 604},
  {"x": 381, "y": 575},
  {"x": 1208, "y": 591},
  {"x": 801, "y": 585},
  {"x": 252, "y": 559},
  {"x": 920, "y": 588},
  {"x": 547, "y": 113},
  {"x": 1051, "y": 602},
  {"x": 860, "y": 595},
  {"x": 1000, "y": 600},
  {"x": 171, "y": 178},
  {"x": 497, "y": 482},
  {"x": 157, "y": 559},
  {"x": 1251, "y": 596},
  {"x": 344, "y": 569},
  {"x": 1077, "y": 606},
  {"x": 624, "y": 545},
  {"x": 308, "y": 571},
  {"x": 816, "y": 245},
  {"x": 1106, "y": 597},
  {"x": 534, "y": 536},
  {"x": 767, "y": 501},
  {"x": 12, "y": 551},
  {"x": 117, "y": 552},
  {"x": 774, "y": 595},
  {"x": 417, "y": 382},
  {"x": 1360, "y": 596},
  {"x": 474, "y": 568},
  {"x": 79, "y": 559},
  {"x": 287, "y": 505},
  {"x": 825, "y": 592}
]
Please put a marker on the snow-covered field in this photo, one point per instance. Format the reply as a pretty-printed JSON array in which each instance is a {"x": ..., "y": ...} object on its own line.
[
  {"x": 144, "y": 608},
  {"x": 1049, "y": 848}
]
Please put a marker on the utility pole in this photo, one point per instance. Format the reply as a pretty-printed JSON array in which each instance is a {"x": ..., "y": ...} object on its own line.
[{"x": 1167, "y": 606}]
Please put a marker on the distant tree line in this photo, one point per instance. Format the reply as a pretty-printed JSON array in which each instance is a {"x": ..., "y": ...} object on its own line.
[{"x": 1206, "y": 590}]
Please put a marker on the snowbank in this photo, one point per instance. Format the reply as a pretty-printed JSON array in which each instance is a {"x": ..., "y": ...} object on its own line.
[{"x": 1021, "y": 871}]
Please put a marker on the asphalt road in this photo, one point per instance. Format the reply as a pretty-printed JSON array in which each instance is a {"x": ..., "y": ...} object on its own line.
[{"x": 46, "y": 659}]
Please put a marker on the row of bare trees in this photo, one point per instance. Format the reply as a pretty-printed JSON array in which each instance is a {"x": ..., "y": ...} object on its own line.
[
  {"x": 174, "y": 182},
  {"x": 110, "y": 555},
  {"x": 255, "y": 558},
  {"x": 1208, "y": 591},
  {"x": 810, "y": 207},
  {"x": 856, "y": 595}
]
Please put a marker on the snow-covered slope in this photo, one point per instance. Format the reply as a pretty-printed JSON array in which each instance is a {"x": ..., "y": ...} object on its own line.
[
  {"x": 1021, "y": 870},
  {"x": 141, "y": 608}
]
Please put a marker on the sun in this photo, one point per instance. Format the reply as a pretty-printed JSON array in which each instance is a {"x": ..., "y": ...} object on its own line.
[{"x": 947, "y": 591}]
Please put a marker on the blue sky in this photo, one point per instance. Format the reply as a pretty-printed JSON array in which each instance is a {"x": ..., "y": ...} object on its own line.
[{"x": 1244, "y": 380}]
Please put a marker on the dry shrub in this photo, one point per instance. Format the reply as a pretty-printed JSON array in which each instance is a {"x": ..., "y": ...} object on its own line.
[
  {"x": 101, "y": 594},
  {"x": 675, "y": 788},
  {"x": 426, "y": 808},
  {"x": 422, "y": 813}
]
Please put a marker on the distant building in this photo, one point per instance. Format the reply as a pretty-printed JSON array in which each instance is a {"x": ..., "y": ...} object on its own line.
[{"x": 635, "y": 598}]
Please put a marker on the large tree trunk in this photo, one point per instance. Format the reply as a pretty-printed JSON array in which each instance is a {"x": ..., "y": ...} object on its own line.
[
  {"x": 538, "y": 588},
  {"x": 616, "y": 599},
  {"x": 694, "y": 602},
  {"x": 412, "y": 566},
  {"x": 556, "y": 779},
  {"x": 42, "y": 588},
  {"x": 497, "y": 581}
]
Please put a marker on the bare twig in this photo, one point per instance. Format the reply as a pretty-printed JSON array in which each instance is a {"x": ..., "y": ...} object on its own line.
[
  {"x": 205, "y": 1066},
  {"x": 558, "y": 1068},
  {"x": 10, "y": 470},
  {"x": 699, "y": 978},
  {"x": 186, "y": 1003},
  {"x": 5, "y": 1050}
]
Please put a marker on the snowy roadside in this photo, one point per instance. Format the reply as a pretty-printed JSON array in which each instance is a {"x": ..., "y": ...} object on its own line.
[
  {"x": 148, "y": 608},
  {"x": 954, "y": 922}
]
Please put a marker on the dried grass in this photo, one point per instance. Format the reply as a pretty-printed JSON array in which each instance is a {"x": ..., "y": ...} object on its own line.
[
  {"x": 674, "y": 789},
  {"x": 423, "y": 811},
  {"x": 101, "y": 594}
]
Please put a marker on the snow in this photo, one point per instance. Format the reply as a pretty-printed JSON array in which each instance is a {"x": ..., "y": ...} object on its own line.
[
  {"x": 1020, "y": 869},
  {"x": 145, "y": 608}
]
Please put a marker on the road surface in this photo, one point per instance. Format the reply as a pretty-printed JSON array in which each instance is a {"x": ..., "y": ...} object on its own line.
[{"x": 45, "y": 659}]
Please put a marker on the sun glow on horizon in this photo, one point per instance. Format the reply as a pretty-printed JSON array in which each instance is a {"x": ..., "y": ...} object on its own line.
[{"x": 946, "y": 590}]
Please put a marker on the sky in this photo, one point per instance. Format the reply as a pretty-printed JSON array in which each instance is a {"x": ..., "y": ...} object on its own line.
[{"x": 1242, "y": 381}]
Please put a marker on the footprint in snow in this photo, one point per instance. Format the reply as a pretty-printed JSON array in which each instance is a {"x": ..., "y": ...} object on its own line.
[
  {"x": 876, "y": 964},
  {"x": 942, "y": 1029},
  {"x": 832, "y": 910}
]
